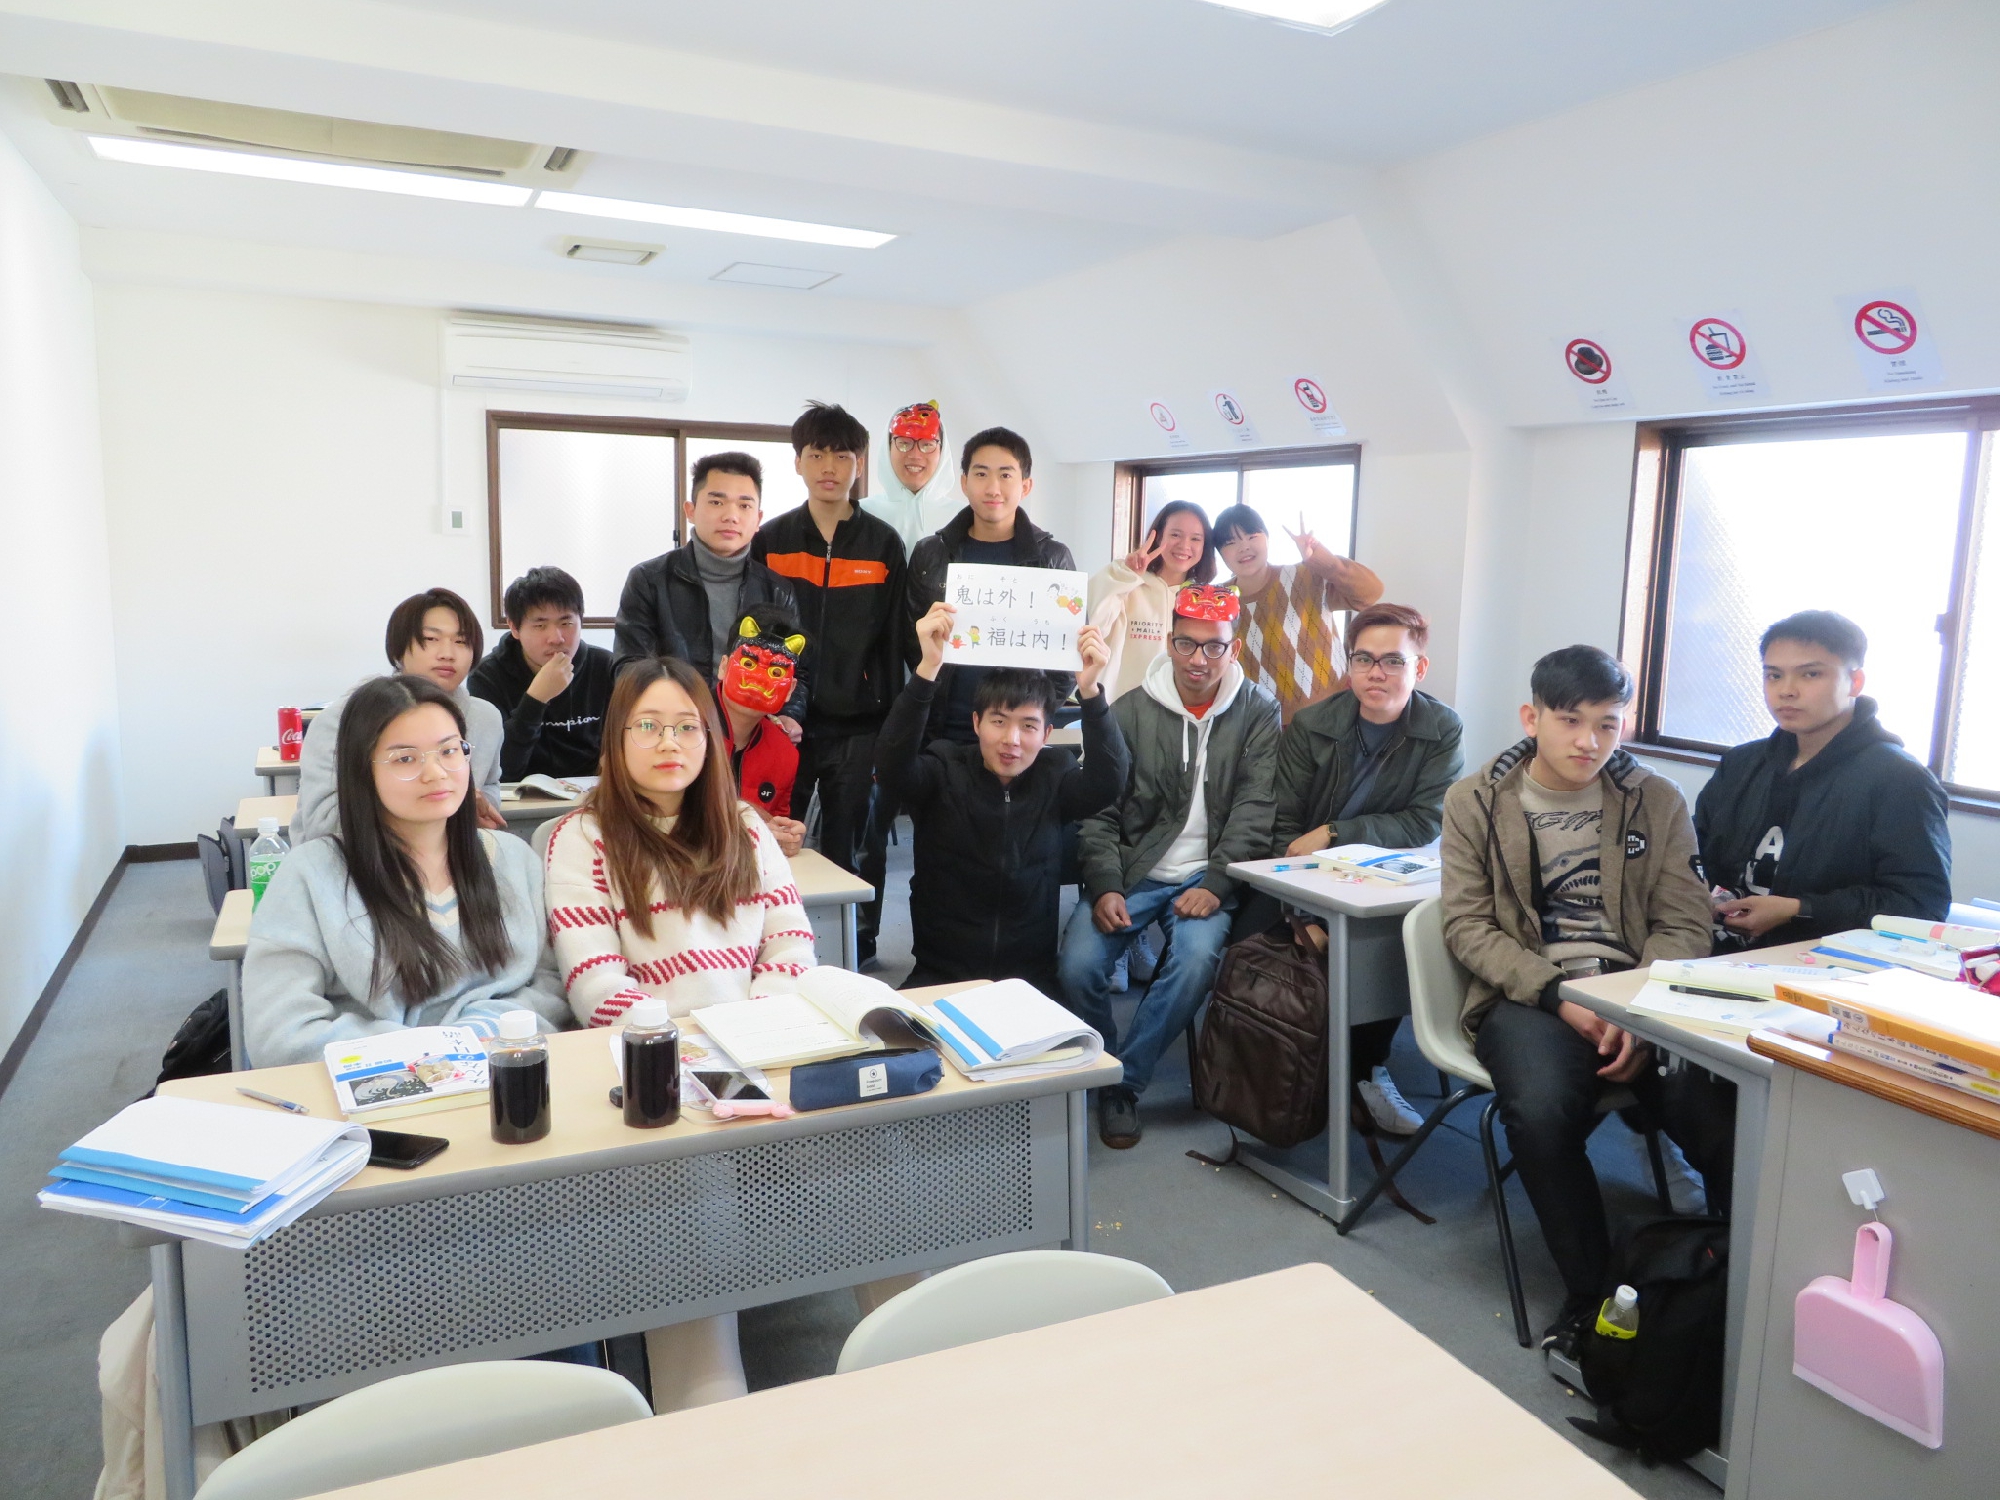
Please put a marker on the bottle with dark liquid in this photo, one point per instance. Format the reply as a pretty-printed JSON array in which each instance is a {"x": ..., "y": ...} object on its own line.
[
  {"x": 652, "y": 1046},
  {"x": 517, "y": 1067}
]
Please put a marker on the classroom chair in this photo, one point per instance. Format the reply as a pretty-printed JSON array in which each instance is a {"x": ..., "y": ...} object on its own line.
[
  {"x": 1437, "y": 998},
  {"x": 423, "y": 1419},
  {"x": 1008, "y": 1293}
]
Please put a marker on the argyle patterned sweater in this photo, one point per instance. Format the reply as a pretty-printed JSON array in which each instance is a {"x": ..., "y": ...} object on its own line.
[{"x": 690, "y": 960}]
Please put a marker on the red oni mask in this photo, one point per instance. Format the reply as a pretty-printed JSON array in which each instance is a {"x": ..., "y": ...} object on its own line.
[
  {"x": 760, "y": 669},
  {"x": 920, "y": 423},
  {"x": 1208, "y": 601}
]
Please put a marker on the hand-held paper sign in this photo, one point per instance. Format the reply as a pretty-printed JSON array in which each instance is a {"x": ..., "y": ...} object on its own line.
[
  {"x": 920, "y": 423},
  {"x": 1014, "y": 617},
  {"x": 1219, "y": 602},
  {"x": 760, "y": 669}
]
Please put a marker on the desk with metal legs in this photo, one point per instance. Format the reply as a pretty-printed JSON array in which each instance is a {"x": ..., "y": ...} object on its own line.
[
  {"x": 490, "y": 1252},
  {"x": 1365, "y": 981}
]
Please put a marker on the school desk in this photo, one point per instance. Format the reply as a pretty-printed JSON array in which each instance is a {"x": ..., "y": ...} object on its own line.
[
  {"x": 226, "y": 942},
  {"x": 274, "y": 769},
  {"x": 1365, "y": 981},
  {"x": 489, "y": 1252},
  {"x": 1317, "y": 1389}
]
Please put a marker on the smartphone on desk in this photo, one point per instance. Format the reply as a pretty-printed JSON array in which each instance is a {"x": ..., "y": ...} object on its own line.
[
  {"x": 396, "y": 1148},
  {"x": 718, "y": 1084}
]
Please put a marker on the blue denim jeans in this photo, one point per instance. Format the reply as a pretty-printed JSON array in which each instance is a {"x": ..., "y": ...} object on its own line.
[{"x": 1185, "y": 976}]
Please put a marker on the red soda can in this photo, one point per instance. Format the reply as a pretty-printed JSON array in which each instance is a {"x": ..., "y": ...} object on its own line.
[{"x": 291, "y": 733}]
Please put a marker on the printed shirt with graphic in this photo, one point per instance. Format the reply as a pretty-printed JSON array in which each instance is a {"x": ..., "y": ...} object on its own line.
[
  {"x": 1291, "y": 643},
  {"x": 1566, "y": 828},
  {"x": 690, "y": 960}
]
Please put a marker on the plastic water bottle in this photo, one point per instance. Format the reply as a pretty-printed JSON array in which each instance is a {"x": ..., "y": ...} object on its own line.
[
  {"x": 1618, "y": 1318},
  {"x": 652, "y": 1046},
  {"x": 266, "y": 854},
  {"x": 517, "y": 1071}
]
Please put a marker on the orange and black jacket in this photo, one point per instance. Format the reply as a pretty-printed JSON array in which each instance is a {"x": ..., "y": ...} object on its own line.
[{"x": 850, "y": 592}]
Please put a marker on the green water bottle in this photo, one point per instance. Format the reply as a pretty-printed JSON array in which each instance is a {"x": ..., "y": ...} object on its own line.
[{"x": 265, "y": 856}]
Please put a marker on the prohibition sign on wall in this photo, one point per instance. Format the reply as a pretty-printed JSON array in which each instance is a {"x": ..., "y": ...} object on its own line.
[
  {"x": 1162, "y": 416},
  {"x": 1886, "y": 327},
  {"x": 1719, "y": 345},
  {"x": 1311, "y": 397},
  {"x": 1227, "y": 408},
  {"x": 1587, "y": 361}
]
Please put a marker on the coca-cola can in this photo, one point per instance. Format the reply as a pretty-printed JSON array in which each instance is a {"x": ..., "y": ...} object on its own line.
[{"x": 291, "y": 733}]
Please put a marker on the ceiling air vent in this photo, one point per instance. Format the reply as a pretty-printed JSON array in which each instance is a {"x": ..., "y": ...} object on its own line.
[
  {"x": 105, "y": 110},
  {"x": 611, "y": 252}
]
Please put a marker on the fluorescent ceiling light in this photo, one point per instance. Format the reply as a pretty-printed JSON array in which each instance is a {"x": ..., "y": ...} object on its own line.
[
  {"x": 708, "y": 218},
  {"x": 319, "y": 173},
  {"x": 1320, "y": 15}
]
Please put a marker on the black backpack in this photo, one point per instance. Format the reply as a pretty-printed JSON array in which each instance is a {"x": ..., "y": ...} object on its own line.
[
  {"x": 201, "y": 1046},
  {"x": 1659, "y": 1393}
]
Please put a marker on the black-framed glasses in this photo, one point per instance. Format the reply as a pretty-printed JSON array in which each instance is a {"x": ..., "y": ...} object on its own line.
[
  {"x": 408, "y": 764},
  {"x": 922, "y": 445},
  {"x": 1213, "y": 650},
  {"x": 1367, "y": 661}
]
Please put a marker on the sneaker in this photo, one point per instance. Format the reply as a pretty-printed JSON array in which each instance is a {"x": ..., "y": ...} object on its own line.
[
  {"x": 1685, "y": 1189},
  {"x": 1118, "y": 1118},
  {"x": 1561, "y": 1338},
  {"x": 1144, "y": 959},
  {"x": 864, "y": 956},
  {"x": 1118, "y": 972},
  {"x": 1387, "y": 1107}
]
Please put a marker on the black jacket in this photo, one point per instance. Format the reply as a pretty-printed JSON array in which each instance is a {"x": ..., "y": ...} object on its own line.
[
  {"x": 664, "y": 612},
  {"x": 851, "y": 594},
  {"x": 951, "y": 713},
  {"x": 1860, "y": 828},
  {"x": 558, "y": 738},
  {"x": 984, "y": 897},
  {"x": 1404, "y": 809}
]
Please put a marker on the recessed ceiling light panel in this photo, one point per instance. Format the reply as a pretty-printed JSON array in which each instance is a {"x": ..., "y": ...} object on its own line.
[
  {"x": 1319, "y": 15},
  {"x": 712, "y": 219},
  {"x": 749, "y": 273},
  {"x": 318, "y": 173}
]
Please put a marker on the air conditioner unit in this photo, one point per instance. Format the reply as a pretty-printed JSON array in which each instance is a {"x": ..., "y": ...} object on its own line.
[{"x": 493, "y": 351}]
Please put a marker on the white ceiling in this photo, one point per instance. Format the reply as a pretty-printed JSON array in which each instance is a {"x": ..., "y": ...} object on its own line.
[{"x": 1003, "y": 144}]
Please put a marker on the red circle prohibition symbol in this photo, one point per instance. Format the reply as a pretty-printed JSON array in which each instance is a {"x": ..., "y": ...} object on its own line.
[
  {"x": 1587, "y": 361},
  {"x": 1719, "y": 345},
  {"x": 1886, "y": 327},
  {"x": 1311, "y": 397},
  {"x": 1163, "y": 417},
  {"x": 1228, "y": 409}
]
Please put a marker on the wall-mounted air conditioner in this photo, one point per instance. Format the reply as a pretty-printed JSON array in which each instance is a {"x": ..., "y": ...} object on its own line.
[{"x": 491, "y": 351}]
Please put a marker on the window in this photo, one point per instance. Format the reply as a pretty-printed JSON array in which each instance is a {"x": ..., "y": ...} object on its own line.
[
  {"x": 1313, "y": 487},
  {"x": 1878, "y": 514},
  {"x": 594, "y": 495}
]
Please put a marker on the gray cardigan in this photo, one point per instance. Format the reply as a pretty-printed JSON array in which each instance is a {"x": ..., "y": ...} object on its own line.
[
  {"x": 312, "y": 946},
  {"x": 318, "y": 812}
]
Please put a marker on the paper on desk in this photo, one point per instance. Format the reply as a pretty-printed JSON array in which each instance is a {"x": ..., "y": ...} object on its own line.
[{"x": 1738, "y": 1016}]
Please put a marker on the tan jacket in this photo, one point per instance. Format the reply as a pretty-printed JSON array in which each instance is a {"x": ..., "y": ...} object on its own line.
[{"x": 1654, "y": 893}]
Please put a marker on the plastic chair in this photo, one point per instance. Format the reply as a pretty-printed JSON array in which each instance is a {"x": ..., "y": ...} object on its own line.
[
  {"x": 423, "y": 1419},
  {"x": 984, "y": 1299},
  {"x": 1438, "y": 983}
]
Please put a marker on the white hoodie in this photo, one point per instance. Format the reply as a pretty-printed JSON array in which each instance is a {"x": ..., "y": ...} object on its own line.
[
  {"x": 914, "y": 513},
  {"x": 1188, "y": 853}
]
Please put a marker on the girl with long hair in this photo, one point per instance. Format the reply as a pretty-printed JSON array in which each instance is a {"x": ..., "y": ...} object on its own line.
[
  {"x": 663, "y": 883},
  {"x": 410, "y": 914},
  {"x": 1131, "y": 602}
]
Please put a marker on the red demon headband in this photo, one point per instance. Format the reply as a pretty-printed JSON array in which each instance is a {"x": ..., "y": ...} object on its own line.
[
  {"x": 1208, "y": 601},
  {"x": 920, "y": 423}
]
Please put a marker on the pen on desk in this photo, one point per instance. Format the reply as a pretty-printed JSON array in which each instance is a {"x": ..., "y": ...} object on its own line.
[
  {"x": 1304, "y": 864},
  {"x": 264, "y": 1098},
  {"x": 1695, "y": 989}
]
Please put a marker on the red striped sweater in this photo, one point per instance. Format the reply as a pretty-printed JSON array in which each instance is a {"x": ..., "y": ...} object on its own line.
[{"x": 690, "y": 960}]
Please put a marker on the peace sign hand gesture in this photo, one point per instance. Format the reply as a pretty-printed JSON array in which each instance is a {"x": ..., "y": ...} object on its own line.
[
  {"x": 1311, "y": 552},
  {"x": 1142, "y": 559}
]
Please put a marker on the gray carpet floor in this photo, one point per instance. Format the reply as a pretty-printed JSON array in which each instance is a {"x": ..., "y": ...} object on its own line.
[{"x": 62, "y": 1278}]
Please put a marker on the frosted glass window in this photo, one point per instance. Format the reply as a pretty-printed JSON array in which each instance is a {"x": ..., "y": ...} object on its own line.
[
  {"x": 1863, "y": 525},
  {"x": 591, "y": 503},
  {"x": 783, "y": 489},
  {"x": 1319, "y": 496}
]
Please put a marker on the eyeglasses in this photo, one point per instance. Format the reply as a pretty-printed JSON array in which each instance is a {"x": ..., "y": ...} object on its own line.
[
  {"x": 647, "y": 733},
  {"x": 922, "y": 445},
  {"x": 408, "y": 765},
  {"x": 1213, "y": 650},
  {"x": 1364, "y": 662}
]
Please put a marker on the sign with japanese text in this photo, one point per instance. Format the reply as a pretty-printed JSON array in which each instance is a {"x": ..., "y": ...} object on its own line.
[{"x": 1014, "y": 617}]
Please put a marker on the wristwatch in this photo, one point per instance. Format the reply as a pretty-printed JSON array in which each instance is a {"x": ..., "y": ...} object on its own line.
[{"x": 1805, "y": 912}]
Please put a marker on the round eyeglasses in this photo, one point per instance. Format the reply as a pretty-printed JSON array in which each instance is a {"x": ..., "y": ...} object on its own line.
[
  {"x": 408, "y": 765},
  {"x": 922, "y": 445},
  {"x": 648, "y": 733}
]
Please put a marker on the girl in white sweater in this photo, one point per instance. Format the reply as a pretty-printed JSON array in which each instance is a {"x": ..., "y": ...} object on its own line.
[{"x": 663, "y": 883}]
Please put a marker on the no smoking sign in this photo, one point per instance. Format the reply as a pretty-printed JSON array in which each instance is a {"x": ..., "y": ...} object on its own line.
[
  {"x": 1892, "y": 340},
  {"x": 1886, "y": 327}
]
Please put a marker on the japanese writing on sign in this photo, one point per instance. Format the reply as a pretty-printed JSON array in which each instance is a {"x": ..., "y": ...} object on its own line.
[{"x": 1014, "y": 617}]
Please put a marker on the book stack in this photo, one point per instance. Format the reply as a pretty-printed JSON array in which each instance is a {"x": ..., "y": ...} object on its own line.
[
  {"x": 214, "y": 1172},
  {"x": 1397, "y": 866},
  {"x": 1934, "y": 1029},
  {"x": 1869, "y": 950}
]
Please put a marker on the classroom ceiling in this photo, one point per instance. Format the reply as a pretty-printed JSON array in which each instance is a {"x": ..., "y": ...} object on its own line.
[{"x": 1002, "y": 145}]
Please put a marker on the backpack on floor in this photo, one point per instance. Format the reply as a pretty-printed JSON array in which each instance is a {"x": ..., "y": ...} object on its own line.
[
  {"x": 1659, "y": 1392},
  {"x": 1260, "y": 1066}
]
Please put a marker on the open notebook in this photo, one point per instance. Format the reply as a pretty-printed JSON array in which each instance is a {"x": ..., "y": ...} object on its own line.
[{"x": 1009, "y": 1029}]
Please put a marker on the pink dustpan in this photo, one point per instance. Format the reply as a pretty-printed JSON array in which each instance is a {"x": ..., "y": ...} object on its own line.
[{"x": 1873, "y": 1354}]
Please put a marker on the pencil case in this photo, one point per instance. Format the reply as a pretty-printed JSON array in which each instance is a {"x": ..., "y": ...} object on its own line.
[{"x": 867, "y": 1076}]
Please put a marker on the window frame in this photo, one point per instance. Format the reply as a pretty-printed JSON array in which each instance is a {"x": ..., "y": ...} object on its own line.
[
  {"x": 679, "y": 431},
  {"x": 1652, "y": 543},
  {"x": 1129, "y": 476}
]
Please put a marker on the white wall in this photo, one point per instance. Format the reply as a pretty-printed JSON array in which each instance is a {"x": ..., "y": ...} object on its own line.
[
  {"x": 60, "y": 796},
  {"x": 289, "y": 455}
]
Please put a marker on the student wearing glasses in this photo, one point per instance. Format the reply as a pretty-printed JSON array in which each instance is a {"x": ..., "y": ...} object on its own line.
[
  {"x": 1198, "y": 797},
  {"x": 1370, "y": 765},
  {"x": 410, "y": 914},
  {"x": 664, "y": 883},
  {"x": 919, "y": 493}
]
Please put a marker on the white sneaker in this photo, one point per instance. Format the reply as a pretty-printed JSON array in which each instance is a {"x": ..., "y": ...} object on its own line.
[
  {"x": 1685, "y": 1189},
  {"x": 1388, "y": 1108}
]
